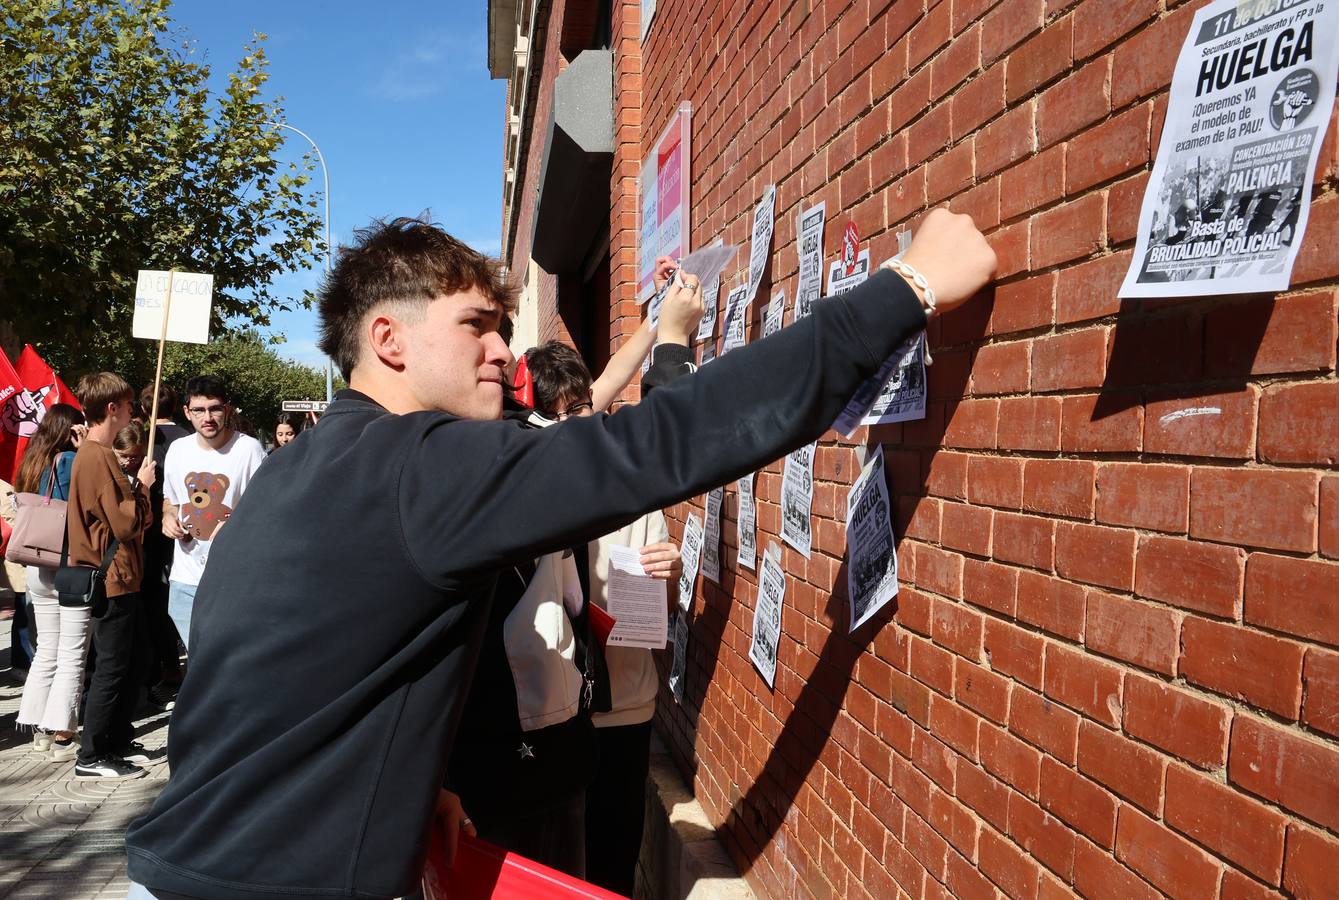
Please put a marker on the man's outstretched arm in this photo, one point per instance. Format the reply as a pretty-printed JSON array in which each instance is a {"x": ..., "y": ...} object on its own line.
[{"x": 462, "y": 488}]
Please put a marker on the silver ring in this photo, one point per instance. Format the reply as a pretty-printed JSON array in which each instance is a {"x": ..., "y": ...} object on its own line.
[{"x": 692, "y": 285}]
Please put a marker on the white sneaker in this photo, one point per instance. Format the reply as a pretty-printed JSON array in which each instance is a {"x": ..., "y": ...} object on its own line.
[{"x": 41, "y": 742}]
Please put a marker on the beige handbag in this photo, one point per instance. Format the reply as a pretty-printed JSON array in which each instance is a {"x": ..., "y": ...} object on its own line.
[{"x": 39, "y": 527}]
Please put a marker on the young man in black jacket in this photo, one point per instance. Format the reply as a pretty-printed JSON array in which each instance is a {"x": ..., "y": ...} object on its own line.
[{"x": 309, "y": 737}]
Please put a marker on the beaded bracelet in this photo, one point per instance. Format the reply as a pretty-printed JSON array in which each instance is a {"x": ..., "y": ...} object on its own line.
[{"x": 917, "y": 279}]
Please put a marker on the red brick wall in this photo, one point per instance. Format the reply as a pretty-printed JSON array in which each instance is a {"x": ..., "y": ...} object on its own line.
[{"x": 1113, "y": 667}]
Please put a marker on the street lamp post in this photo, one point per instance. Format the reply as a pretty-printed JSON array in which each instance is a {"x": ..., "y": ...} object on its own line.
[{"x": 325, "y": 176}]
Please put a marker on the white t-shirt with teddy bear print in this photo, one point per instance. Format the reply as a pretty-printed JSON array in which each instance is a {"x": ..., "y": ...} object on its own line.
[{"x": 205, "y": 484}]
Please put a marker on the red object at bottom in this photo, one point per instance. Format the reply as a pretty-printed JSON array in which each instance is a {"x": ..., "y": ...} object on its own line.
[{"x": 484, "y": 870}]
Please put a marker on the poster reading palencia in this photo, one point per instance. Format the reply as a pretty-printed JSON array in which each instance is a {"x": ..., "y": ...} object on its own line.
[{"x": 1227, "y": 202}]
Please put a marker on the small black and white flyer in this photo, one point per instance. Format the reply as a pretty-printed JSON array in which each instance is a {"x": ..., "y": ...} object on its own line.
[{"x": 871, "y": 560}]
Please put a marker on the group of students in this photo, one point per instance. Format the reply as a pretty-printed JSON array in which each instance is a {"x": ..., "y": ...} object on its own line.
[
  {"x": 425, "y": 656},
  {"x": 151, "y": 533}
]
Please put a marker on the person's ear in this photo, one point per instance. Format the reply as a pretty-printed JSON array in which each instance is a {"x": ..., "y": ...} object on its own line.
[{"x": 385, "y": 335}]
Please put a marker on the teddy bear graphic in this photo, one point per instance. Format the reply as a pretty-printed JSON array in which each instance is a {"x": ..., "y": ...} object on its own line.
[{"x": 205, "y": 510}]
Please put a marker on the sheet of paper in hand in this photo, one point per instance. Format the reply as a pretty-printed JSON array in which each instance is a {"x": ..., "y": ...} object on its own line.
[
  {"x": 690, "y": 554},
  {"x": 736, "y": 313},
  {"x": 746, "y": 520},
  {"x": 636, "y": 601},
  {"x": 767, "y": 614},
  {"x": 797, "y": 495},
  {"x": 708, "y": 263},
  {"x": 811, "y": 259},
  {"x": 764, "y": 219},
  {"x": 679, "y": 664},
  {"x": 871, "y": 555},
  {"x": 1230, "y": 192},
  {"x": 776, "y": 313}
]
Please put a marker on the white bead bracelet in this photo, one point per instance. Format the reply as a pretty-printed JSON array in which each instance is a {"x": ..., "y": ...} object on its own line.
[{"x": 917, "y": 279}]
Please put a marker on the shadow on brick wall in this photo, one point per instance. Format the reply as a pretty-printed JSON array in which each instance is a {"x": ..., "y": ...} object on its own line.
[{"x": 1168, "y": 350}]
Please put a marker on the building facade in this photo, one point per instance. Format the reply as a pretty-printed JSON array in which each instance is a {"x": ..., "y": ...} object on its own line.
[{"x": 1112, "y": 668}]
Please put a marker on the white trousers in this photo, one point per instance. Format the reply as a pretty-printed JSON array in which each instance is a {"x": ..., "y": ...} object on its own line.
[{"x": 56, "y": 678}]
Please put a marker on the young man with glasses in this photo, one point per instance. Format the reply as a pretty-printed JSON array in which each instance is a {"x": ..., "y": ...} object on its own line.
[{"x": 203, "y": 478}]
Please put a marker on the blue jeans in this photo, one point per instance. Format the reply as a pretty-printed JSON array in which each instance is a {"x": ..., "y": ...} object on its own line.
[{"x": 180, "y": 602}]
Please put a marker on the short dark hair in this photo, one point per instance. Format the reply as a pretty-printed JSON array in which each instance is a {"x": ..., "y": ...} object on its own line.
[
  {"x": 559, "y": 375},
  {"x": 406, "y": 261},
  {"x": 211, "y": 386},
  {"x": 167, "y": 401},
  {"x": 98, "y": 390}
]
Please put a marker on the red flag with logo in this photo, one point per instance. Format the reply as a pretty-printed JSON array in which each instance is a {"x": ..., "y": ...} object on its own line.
[{"x": 25, "y": 395}]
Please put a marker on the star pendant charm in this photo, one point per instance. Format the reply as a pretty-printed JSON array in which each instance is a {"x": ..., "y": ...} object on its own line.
[{"x": 526, "y": 751}]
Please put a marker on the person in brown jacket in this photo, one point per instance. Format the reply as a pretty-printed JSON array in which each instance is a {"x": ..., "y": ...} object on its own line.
[{"x": 104, "y": 505}]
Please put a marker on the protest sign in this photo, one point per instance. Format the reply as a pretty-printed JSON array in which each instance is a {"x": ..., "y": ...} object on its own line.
[
  {"x": 871, "y": 558},
  {"x": 679, "y": 665},
  {"x": 734, "y": 328},
  {"x": 171, "y": 306},
  {"x": 711, "y": 536},
  {"x": 811, "y": 259},
  {"x": 690, "y": 554},
  {"x": 767, "y": 614},
  {"x": 839, "y": 282},
  {"x": 746, "y": 516},
  {"x": 764, "y": 218},
  {"x": 797, "y": 495},
  {"x": 1230, "y": 192},
  {"x": 775, "y": 315}
]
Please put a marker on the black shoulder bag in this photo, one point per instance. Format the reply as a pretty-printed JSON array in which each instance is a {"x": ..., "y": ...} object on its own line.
[{"x": 82, "y": 585}]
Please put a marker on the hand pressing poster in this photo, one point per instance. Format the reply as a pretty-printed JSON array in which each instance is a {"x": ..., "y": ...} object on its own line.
[
  {"x": 767, "y": 614},
  {"x": 811, "y": 259},
  {"x": 871, "y": 556},
  {"x": 1230, "y": 192},
  {"x": 690, "y": 554},
  {"x": 764, "y": 216},
  {"x": 746, "y": 519},
  {"x": 797, "y": 495},
  {"x": 711, "y": 536}
]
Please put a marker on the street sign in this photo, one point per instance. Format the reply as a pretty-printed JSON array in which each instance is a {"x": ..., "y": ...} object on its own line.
[{"x": 305, "y": 405}]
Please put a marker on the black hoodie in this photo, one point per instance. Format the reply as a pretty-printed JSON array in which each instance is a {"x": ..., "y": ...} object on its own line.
[{"x": 338, "y": 623}]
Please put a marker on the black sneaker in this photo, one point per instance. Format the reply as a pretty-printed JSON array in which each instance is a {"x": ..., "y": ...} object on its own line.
[
  {"x": 139, "y": 755},
  {"x": 107, "y": 768}
]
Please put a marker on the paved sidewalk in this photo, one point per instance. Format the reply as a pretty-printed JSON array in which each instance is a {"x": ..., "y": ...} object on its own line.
[{"x": 61, "y": 838}]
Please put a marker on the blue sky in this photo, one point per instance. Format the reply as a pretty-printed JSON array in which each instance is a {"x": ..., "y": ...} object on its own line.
[{"x": 397, "y": 94}]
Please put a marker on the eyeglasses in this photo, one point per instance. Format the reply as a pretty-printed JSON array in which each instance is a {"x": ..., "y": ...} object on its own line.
[
  {"x": 214, "y": 412},
  {"x": 575, "y": 409}
]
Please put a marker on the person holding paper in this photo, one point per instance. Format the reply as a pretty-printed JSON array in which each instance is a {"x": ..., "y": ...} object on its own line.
[
  {"x": 306, "y": 753},
  {"x": 523, "y": 777}
]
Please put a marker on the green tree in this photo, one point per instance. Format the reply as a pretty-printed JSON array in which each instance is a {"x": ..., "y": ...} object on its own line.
[
  {"x": 115, "y": 157},
  {"x": 259, "y": 379}
]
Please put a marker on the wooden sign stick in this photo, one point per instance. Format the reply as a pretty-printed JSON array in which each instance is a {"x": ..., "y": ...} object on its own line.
[{"x": 158, "y": 373}]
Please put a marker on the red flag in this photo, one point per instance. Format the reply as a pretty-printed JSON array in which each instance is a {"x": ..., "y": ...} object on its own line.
[
  {"x": 37, "y": 375},
  {"x": 25, "y": 396}
]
